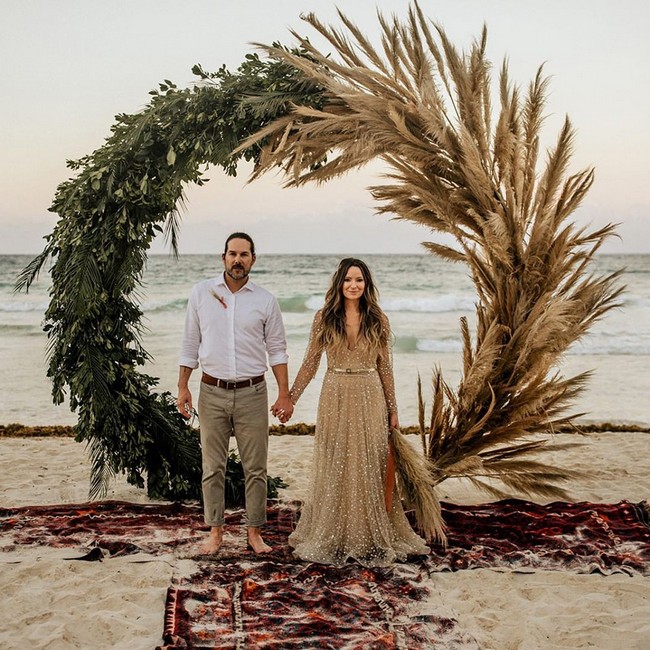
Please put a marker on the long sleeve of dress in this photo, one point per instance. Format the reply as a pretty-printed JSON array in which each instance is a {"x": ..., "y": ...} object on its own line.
[
  {"x": 310, "y": 362},
  {"x": 385, "y": 370}
]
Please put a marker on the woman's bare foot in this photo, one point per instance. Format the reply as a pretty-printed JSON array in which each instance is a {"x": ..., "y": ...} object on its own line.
[
  {"x": 256, "y": 542},
  {"x": 213, "y": 541}
]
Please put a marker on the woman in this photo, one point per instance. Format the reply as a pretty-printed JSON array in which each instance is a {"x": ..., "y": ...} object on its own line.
[{"x": 348, "y": 515}]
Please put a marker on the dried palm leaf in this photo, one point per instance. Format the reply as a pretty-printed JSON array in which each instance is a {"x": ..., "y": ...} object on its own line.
[
  {"x": 417, "y": 487},
  {"x": 425, "y": 109}
]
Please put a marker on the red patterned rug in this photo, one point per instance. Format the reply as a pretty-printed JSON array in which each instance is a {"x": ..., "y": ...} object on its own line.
[
  {"x": 239, "y": 600},
  {"x": 513, "y": 534},
  {"x": 519, "y": 535},
  {"x": 277, "y": 605}
]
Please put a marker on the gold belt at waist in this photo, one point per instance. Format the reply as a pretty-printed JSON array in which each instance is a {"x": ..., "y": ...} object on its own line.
[{"x": 353, "y": 371}]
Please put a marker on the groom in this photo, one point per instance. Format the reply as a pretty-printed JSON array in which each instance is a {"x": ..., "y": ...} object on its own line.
[{"x": 231, "y": 326}]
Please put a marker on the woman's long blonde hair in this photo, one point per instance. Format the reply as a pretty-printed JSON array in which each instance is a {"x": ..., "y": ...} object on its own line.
[{"x": 373, "y": 328}]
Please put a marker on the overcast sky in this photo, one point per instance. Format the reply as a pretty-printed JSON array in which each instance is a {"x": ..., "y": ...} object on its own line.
[{"x": 68, "y": 66}]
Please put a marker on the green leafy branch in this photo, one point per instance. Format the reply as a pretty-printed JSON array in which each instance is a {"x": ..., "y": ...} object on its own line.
[{"x": 122, "y": 196}]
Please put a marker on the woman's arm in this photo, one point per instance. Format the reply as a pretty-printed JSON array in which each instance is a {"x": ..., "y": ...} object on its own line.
[
  {"x": 311, "y": 361},
  {"x": 385, "y": 370}
]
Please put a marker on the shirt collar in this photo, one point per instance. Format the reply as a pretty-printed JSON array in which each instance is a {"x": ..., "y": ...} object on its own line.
[{"x": 221, "y": 282}]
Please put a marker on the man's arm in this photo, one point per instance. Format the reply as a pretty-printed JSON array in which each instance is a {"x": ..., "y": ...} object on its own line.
[
  {"x": 184, "y": 399},
  {"x": 189, "y": 356},
  {"x": 276, "y": 348},
  {"x": 282, "y": 408}
]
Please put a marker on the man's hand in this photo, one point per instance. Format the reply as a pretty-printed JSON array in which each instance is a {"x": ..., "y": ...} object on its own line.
[
  {"x": 282, "y": 409},
  {"x": 184, "y": 402}
]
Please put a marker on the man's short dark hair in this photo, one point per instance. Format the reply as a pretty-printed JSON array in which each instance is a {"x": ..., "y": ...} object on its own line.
[{"x": 240, "y": 235}]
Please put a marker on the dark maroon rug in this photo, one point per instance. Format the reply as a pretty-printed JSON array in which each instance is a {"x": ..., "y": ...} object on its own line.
[
  {"x": 238, "y": 600},
  {"x": 295, "y": 606},
  {"x": 519, "y": 535},
  {"x": 119, "y": 527},
  {"x": 513, "y": 534}
]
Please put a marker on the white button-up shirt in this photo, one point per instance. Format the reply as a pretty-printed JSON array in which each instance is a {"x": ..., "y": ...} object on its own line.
[{"x": 231, "y": 334}]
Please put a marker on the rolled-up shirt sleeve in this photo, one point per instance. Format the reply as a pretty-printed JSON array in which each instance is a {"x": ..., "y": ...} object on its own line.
[
  {"x": 274, "y": 335},
  {"x": 191, "y": 334}
]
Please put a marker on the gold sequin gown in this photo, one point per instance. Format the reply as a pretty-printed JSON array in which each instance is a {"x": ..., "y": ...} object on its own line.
[{"x": 345, "y": 516}]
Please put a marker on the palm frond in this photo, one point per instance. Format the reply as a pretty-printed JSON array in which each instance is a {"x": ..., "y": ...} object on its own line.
[
  {"x": 101, "y": 469},
  {"x": 421, "y": 427},
  {"x": 30, "y": 273},
  {"x": 171, "y": 231}
]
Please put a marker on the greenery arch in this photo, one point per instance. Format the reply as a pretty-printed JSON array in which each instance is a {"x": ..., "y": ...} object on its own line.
[
  {"x": 123, "y": 195},
  {"x": 422, "y": 107}
]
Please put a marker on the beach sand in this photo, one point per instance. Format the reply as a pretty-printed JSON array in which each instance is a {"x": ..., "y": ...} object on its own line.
[{"x": 118, "y": 603}]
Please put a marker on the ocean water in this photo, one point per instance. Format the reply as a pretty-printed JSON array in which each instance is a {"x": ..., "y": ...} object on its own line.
[{"x": 424, "y": 298}]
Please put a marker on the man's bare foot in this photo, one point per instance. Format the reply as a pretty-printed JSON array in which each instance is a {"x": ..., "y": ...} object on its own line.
[
  {"x": 213, "y": 541},
  {"x": 256, "y": 543}
]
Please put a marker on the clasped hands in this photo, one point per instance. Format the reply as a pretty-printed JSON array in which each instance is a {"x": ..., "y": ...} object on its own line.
[{"x": 282, "y": 409}]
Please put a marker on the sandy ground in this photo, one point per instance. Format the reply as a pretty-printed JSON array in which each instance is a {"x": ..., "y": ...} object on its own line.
[{"x": 49, "y": 603}]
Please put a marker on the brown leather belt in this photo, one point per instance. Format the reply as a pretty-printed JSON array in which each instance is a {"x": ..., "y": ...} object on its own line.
[{"x": 230, "y": 385}]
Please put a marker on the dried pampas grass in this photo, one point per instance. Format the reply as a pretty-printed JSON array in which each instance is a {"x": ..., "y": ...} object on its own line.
[
  {"x": 461, "y": 168},
  {"x": 417, "y": 487}
]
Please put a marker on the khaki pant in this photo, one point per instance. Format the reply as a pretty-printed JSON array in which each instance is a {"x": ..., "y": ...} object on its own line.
[{"x": 244, "y": 411}]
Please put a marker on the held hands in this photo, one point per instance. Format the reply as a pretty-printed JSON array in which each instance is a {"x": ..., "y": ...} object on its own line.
[
  {"x": 282, "y": 409},
  {"x": 184, "y": 402}
]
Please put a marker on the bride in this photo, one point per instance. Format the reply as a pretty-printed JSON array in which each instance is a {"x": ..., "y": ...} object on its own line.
[{"x": 348, "y": 514}]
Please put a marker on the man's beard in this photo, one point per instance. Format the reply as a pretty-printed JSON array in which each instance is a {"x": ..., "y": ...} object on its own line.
[{"x": 234, "y": 270}]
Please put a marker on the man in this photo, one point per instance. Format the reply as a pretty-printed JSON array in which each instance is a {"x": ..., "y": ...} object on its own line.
[{"x": 231, "y": 326}]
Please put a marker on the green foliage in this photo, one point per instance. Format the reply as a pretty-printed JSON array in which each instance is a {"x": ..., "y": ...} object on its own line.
[
  {"x": 122, "y": 196},
  {"x": 235, "y": 486}
]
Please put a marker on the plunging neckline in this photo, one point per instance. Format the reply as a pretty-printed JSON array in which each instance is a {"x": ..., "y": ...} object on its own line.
[{"x": 348, "y": 341}]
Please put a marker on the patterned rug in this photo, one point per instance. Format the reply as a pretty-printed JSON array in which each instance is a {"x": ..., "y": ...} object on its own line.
[
  {"x": 510, "y": 534},
  {"x": 519, "y": 535},
  {"x": 238, "y": 599},
  {"x": 275, "y": 605},
  {"x": 118, "y": 527}
]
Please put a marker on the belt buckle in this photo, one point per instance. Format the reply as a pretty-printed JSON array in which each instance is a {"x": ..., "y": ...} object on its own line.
[{"x": 348, "y": 371}]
